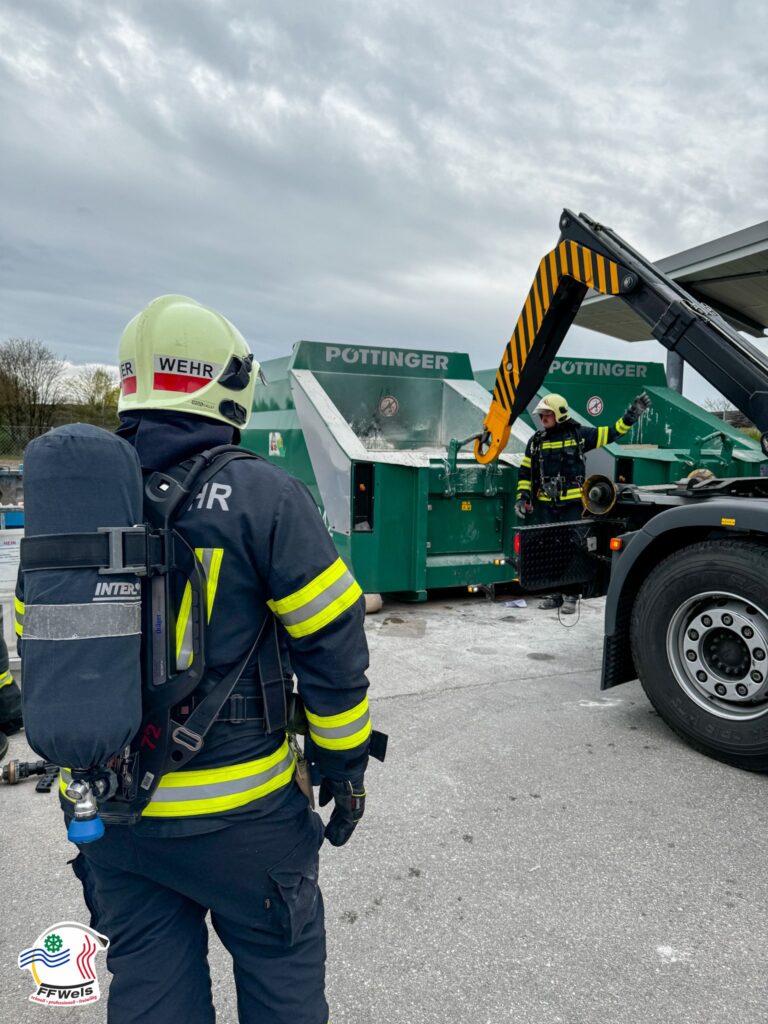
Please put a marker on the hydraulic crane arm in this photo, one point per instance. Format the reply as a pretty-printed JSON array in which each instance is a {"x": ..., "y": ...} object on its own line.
[{"x": 589, "y": 255}]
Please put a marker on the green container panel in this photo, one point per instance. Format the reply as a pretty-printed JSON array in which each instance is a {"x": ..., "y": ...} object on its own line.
[
  {"x": 436, "y": 522},
  {"x": 465, "y": 523}
]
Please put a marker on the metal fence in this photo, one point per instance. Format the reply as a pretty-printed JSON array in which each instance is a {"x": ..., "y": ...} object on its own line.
[{"x": 13, "y": 441}]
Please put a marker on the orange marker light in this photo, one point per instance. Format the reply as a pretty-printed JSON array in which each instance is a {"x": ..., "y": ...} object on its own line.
[{"x": 616, "y": 544}]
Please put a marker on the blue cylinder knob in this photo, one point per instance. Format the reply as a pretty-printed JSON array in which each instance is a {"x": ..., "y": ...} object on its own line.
[{"x": 87, "y": 831}]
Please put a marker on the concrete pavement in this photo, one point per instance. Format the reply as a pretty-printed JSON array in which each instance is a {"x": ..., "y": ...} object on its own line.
[{"x": 532, "y": 851}]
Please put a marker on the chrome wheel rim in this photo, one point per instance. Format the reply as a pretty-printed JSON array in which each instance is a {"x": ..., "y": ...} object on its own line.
[{"x": 717, "y": 646}]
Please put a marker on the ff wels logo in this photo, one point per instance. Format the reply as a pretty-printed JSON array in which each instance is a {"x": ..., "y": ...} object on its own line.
[{"x": 62, "y": 964}]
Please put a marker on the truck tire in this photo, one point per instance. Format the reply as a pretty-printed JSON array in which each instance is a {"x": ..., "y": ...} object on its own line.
[{"x": 699, "y": 636}]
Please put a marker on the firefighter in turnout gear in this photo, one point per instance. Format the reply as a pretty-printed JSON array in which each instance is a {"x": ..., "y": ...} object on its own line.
[
  {"x": 10, "y": 698},
  {"x": 233, "y": 834},
  {"x": 552, "y": 471}
]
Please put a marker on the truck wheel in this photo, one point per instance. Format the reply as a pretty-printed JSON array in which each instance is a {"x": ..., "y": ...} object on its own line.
[{"x": 700, "y": 642}]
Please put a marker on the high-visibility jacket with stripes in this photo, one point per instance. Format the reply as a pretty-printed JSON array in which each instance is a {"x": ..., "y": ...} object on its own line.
[
  {"x": 553, "y": 468},
  {"x": 10, "y": 695},
  {"x": 265, "y": 551}
]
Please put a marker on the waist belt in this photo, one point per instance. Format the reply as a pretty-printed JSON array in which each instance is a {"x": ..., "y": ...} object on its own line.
[
  {"x": 242, "y": 709},
  {"x": 236, "y": 709},
  {"x": 194, "y": 792}
]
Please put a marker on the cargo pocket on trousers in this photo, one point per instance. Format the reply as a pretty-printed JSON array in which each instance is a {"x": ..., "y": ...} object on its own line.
[
  {"x": 80, "y": 868},
  {"x": 296, "y": 878}
]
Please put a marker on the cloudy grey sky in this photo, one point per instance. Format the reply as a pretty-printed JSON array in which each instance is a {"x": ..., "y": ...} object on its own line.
[{"x": 381, "y": 172}]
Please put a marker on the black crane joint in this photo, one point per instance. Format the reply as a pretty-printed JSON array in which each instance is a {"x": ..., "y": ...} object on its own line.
[{"x": 672, "y": 324}]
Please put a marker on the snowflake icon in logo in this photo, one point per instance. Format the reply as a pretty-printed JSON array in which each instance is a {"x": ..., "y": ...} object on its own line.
[
  {"x": 62, "y": 963},
  {"x": 53, "y": 943}
]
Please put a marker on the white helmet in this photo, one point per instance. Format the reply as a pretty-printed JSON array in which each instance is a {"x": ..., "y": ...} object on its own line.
[
  {"x": 184, "y": 357},
  {"x": 556, "y": 404}
]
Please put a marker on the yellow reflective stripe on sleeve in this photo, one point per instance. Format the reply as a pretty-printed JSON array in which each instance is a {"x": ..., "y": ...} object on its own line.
[
  {"x": 345, "y": 742},
  {"x": 526, "y": 462},
  {"x": 310, "y": 591},
  {"x": 622, "y": 427},
  {"x": 18, "y": 605},
  {"x": 329, "y": 613},
  {"x": 343, "y": 731},
  {"x": 5, "y": 679},
  {"x": 319, "y": 602},
  {"x": 523, "y": 485}
]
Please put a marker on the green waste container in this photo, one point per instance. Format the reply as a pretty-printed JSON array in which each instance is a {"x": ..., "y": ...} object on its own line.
[{"x": 373, "y": 433}]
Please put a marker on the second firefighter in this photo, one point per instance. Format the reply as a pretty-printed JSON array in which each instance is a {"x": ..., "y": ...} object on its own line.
[{"x": 553, "y": 469}]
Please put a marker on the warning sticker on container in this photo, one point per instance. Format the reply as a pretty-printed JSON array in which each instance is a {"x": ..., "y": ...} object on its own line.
[
  {"x": 595, "y": 405},
  {"x": 389, "y": 405},
  {"x": 276, "y": 446}
]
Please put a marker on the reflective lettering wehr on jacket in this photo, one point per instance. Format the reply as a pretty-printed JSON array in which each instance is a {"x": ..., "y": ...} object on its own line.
[{"x": 553, "y": 468}]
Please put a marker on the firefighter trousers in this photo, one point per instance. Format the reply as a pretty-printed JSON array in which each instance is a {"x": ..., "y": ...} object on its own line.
[{"x": 258, "y": 879}]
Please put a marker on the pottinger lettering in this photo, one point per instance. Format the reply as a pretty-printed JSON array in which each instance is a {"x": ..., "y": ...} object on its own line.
[
  {"x": 583, "y": 368},
  {"x": 387, "y": 357}
]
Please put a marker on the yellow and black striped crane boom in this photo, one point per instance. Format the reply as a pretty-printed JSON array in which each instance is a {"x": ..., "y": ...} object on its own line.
[
  {"x": 561, "y": 282},
  {"x": 590, "y": 255}
]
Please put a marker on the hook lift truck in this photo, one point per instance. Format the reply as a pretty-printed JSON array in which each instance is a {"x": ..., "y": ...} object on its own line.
[{"x": 684, "y": 568}]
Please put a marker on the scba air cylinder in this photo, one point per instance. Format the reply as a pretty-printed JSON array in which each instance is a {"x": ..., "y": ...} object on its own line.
[{"x": 81, "y": 642}]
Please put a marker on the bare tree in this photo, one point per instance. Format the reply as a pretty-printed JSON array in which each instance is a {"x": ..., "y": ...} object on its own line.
[
  {"x": 31, "y": 379},
  {"x": 718, "y": 406},
  {"x": 95, "y": 387},
  {"x": 91, "y": 395}
]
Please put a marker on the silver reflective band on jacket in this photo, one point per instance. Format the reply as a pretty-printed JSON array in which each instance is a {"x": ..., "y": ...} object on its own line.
[
  {"x": 343, "y": 731},
  {"x": 81, "y": 621},
  {"x": 213, "y": 790},
  {"x": 318, "y": 602}
]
